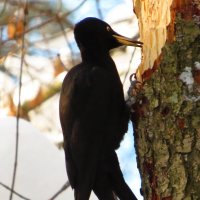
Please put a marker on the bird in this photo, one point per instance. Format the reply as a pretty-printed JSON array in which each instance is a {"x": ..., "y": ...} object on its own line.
[{"x": 93, "y": 114}]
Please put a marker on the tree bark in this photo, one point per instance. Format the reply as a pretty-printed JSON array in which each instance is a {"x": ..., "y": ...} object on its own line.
[{"x": 166, "y": 111}]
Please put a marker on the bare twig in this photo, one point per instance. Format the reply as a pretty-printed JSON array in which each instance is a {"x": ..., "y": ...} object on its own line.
[
  {"x": 18, "y": 108},
  {"x": 67, "y": 41},
  {"x": 132, "y": 56},
  {"x": 14, "y": 192},
  {"x": 62, "y": 189},
  {"x": 99, "y": 9}
]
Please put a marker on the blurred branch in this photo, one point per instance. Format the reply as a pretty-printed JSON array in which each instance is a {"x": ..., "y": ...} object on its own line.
[
  {"x": 4, "y": 8},
  {"x": 99, "y": 9},
  {"x": 19, "y": 105},
  {"x": 45, "y": 92},
  {"x": 67, "y": 41},
  {"x": 49, "y": 37},
  {"x": 127, "y": 72},
  {"x": 59, "y": 5},
  {"x": 54, "y": 18},
  {"x": 8, "y": 72},
  {"x": 62, "y": 189},
  {"x": 14, "y": 192}
]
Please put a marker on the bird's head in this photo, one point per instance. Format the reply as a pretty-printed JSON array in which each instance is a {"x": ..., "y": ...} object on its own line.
[{"x": 95, "y": 34}]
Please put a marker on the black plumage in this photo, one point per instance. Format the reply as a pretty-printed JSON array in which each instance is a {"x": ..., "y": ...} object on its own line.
[{"x": 93, "y": 114}]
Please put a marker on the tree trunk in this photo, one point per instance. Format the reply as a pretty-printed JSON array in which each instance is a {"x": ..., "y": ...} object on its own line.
[{"x": 166, "y": 110}]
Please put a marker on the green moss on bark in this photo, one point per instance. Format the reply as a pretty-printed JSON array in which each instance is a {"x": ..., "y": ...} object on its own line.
[{"x": 167, "y": 121}]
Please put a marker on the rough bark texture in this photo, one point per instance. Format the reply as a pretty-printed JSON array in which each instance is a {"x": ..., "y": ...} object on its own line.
[{"x": 166, "y": 113}]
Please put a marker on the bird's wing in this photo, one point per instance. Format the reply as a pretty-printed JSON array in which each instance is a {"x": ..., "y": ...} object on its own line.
[
  {"x": 66, "y": 119},
  {"x": 84, "y": 113}
]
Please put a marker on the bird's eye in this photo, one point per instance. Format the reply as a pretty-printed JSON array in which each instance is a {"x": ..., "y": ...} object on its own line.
[{"x": 108, "y": 28}]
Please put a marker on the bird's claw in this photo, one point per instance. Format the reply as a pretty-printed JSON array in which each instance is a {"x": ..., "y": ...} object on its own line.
[{"x": 134, "y": 89}]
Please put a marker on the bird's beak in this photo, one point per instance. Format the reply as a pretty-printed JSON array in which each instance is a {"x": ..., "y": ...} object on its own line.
[{"x": 127, "y": 41}]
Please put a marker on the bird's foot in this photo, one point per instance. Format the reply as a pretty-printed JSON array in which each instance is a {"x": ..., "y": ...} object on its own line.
[{"x": 134, "y": 89}]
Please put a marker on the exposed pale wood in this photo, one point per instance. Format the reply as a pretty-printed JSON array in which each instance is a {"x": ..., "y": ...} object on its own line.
[{"x": 154, "y": 17}]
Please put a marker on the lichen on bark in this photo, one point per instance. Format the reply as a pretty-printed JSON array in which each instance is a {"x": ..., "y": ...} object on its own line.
[{"x": 166, "y": 118}]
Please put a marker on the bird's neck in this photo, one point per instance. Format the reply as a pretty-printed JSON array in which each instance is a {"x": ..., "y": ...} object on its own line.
[{"x": 96, "y": 57}]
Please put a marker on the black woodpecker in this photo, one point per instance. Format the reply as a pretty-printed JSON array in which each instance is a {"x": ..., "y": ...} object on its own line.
[{"x": 93, "y": 114}]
